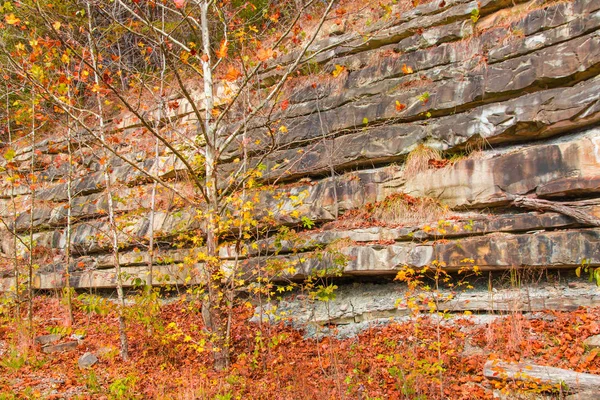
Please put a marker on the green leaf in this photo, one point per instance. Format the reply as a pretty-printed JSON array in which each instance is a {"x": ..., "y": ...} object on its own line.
[
  {"x": 9, "y": 155},
  {"x": 307, "y": 222}
]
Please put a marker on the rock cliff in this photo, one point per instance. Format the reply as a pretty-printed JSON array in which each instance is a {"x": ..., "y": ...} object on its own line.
[{"x": 502, "y": 97}]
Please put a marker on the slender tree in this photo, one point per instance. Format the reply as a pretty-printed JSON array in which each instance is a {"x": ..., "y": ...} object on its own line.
[
  {"x": 109, "y": 195},
  {"x": 198, "y": 41}
]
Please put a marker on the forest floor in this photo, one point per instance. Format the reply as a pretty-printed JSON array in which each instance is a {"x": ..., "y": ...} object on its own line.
[{"x": 425, "y": 358}]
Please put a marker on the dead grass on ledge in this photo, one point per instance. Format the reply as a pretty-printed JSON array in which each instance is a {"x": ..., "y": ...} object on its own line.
[{"x": 395, "y": 210}]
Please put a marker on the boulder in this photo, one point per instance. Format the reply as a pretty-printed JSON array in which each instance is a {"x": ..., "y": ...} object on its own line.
[
  {"x": 592, "y": 342},
  {"x": 47, "y": 339},
  {"x": 59, "y": 348},
  {"x": 87, "y": 360}
]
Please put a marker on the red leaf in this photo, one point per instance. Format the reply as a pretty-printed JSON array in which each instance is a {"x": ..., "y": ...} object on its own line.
[
  {"x": 400, "y": 106},
  {"x": 285, "y": 104}
]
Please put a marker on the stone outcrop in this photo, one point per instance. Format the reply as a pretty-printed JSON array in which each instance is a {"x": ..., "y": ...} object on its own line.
[{"x": 507, "y": 92}]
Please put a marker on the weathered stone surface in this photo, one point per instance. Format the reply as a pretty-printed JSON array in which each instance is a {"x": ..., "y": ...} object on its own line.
[
  {"x": 47, "y": 339},
  {"x": 572, "y": 29},
  {"x": 59, "y": 348},
  {"x": 493, "y": 252},
  {"x": 592, "y": 342},
  {"x": 87, "y": 360},
  {"x": 448, "y": 94},
  {"x": 373, "y": 83},
  {"x": 585, "y": 395},
  {"x": 373, "y": 302},
  {"x": 492, "y": 181},
  {"x": 429, "y": 230},
  {"x": 107, "y": 278},
  {"x": 383, "y": 33},
  {"x": 538, "y": 115},
  {"x": 120, "y": 172},
  {"x": 554, "y": 165},
  {"x": 519, "y": 395}
]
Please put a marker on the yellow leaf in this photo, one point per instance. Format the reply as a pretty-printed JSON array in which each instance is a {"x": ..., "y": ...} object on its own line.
[
  {"x": 283, "y": 129},
  {"x": 11, "y": 19},
  {"x": 338, "y": 70},
  {"x": 56, "y": 25}
]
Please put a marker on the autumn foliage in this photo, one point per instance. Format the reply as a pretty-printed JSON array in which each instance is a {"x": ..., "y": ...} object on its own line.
[{"x": 398, "y": 361}]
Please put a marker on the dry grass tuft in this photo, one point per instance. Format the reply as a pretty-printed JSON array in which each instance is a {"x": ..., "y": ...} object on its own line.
[
  {"x": 395, "y": 210},
  {"x": 418, "y": 160},
  {"x": 403, "y": 209}
]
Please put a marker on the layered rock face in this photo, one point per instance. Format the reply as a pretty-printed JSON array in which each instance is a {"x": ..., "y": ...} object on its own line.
[{"x": 502, "y": 97}]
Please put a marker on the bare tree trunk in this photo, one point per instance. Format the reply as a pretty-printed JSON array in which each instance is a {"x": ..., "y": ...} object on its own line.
[
  {"x": 161, "y": 107},
  {"x": 540, "y": 374},
  {"x": 31, "y": 219},
  {"x": 215, "y": 321},
  {"x": 568, "y": 209},
  {"x": 15, "y": 257},
  {"x": 69, "y": 225},
  {"x": 111, "y": 210}
]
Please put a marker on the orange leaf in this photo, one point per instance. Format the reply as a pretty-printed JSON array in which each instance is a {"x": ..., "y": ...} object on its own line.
[
  {"x": 204, "y": 57},
  {"x": 264, "y": 54},
  {"x": 179, "y": 3},
  {"x": 222, "y": 52},
  {"x": 400, "y": 106},
  {"x": 11, "y": 19},
  {"x": 285, "y": 104},
  {"x": 232, "y": 74},
  {"x": 406, "y": 69},
  {"x": 574, "y": 360}
]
